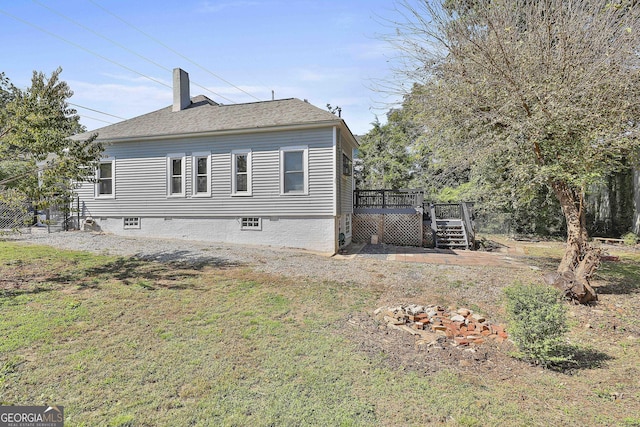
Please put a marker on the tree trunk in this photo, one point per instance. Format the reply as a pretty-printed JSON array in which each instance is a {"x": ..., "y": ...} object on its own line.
[{"x": 580, "y": 259}]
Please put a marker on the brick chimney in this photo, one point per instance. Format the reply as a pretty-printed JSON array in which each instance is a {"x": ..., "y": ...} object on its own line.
[{"x": 181, "y": 97}]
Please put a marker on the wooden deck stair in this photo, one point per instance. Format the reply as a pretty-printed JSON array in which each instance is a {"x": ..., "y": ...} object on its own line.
[
  {"x": 451, "y": 234},
  {"x": 452, "y": 226}
]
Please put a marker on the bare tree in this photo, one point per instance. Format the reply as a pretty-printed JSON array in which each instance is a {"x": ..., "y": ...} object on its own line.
[{"x": 553, "y": 86}]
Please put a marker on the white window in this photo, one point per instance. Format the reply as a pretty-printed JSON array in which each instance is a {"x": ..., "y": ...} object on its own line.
[
  {"x": 106, "y": 179},
  {"x": 294, "y": 170},
  {"x": 176, "y": 175},
  {"x": 131, "y": 222},
  {"x": 250, "y": 223},
  {"x": 201, "y": 174},
  {"x": 241, "y": 172}
]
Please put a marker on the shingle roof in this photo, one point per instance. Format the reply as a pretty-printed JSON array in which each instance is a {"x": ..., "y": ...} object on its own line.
[{"x": 204, "y": 115}]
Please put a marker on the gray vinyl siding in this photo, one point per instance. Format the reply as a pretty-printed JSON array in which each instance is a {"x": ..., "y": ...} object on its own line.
[
  {"x": 346, "y": 182},
  {"x": 141, "y": 178}
]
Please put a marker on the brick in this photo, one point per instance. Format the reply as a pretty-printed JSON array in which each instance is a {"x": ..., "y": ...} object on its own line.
[
  {"x": 496, "y": 329},
  {"x": 464, "y": 312},
  {"x": 478, "y": 318},
  {"x": 393, "y": 320},
  {"x": 422, "y": 316},
  {"x": 461, "y": 341}
]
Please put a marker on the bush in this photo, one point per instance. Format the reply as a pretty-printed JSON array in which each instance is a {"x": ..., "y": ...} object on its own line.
[
  {"x": 630, "y": 239},
  {"x": 537, "y": 323}
]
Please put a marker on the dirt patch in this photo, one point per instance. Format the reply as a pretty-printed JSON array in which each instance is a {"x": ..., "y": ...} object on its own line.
[{"x": 405, "y": 351}]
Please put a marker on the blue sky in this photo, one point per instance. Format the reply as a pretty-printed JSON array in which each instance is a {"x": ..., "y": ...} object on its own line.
[{"x": 323, "y": 51}]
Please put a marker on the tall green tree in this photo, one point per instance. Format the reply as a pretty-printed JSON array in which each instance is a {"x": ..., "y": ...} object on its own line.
[
  {"x": 386, "y": 153},
  {"x": 38, "y": 161},
  {"x": 552, "y": 86}
]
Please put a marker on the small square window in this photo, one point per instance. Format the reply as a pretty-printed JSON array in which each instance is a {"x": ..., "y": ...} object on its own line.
[
  {"x": 251, "y": 223},
  {"x": 131, "y": 222}
]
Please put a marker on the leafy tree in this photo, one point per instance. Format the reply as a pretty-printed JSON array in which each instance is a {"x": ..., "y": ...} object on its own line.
[
  {"x": 386, "y": 154},
  {"x": 550, "y": 88},
  {"x": 38, "y": 160}
]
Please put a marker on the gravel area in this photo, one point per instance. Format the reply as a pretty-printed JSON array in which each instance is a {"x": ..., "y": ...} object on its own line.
[{"x": 396, "y": 282}]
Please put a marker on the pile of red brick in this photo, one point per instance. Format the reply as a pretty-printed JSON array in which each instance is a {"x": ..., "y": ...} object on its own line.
[{"x": 462, "y": 325}]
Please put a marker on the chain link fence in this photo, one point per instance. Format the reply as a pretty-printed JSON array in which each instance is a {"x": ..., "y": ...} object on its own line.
[
  {"x": 15, "y": 216},
  {"x": 22, "y": 217}
]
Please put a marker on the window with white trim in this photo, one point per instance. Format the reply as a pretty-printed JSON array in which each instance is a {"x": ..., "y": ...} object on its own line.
[
  {"x": 131, "y": 222},
  {"x": 176, "y": 175},
  {"x": 241, "y": 172},
  {"x": 294, "y": 170},
  {"x": 201, "y": 174},
  {"x": 251, "y": 223},
  {"x": 105, "y": 179}
]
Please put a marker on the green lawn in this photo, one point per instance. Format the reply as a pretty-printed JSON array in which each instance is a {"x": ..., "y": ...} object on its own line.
[{"x": 121, "y": 342}]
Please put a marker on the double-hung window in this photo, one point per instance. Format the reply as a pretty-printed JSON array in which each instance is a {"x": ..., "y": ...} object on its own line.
[
  {"x": 176, "y": 175},
  {"x": 241, "y": 172},
  {"x": 294, "y": 170},
  {"x": 105, "y": 179},
  {"x": 201, "y": 174}
]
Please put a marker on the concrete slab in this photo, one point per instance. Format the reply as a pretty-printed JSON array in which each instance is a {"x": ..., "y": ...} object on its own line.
[{"x": 433, "y": 256}]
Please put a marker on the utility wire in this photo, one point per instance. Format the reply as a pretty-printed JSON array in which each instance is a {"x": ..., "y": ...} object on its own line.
[
  {"x": 124, "y": 47},
  {"x": 97, "y": 111},
  {"x": 121, "y": 46},
  {"x": 95, "y": 118},
  {"x": 82, "y": 47},
  {"x": 173, "y": 50}
]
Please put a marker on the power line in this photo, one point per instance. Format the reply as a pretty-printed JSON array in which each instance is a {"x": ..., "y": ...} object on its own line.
[
  {"x": 173, "y": 50},
  {"x": 95, "y": 118},
  {"x": 82, "y": 48},
  {"x": 97, "y": 111},
  {"x": 121, "y": 46}
]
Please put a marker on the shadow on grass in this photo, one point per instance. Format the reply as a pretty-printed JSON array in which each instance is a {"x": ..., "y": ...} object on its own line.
[
  {"x": 168, "y": 270},
  {"x": 623, "y": 278},
  {"x": 22, "y": 290},
  {"x": 579, "y": 359},
  {"x": 544, "y": 263}
]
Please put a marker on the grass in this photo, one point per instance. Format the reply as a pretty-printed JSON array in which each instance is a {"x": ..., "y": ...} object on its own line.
[{"x": 122, "y": 342}]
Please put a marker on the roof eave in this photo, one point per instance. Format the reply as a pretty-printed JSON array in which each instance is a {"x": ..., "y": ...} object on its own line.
[{"x": 295, "y": 126}]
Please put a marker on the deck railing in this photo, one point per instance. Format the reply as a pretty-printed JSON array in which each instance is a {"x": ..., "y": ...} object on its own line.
[
  {"x": 448, "y": 210},
  {"x": 387, "y": 199}
]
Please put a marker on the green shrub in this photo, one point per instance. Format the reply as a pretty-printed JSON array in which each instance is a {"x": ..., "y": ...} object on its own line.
[
  {"x": 630, "y": 239},
  {"x": 537, "y": 323}
]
